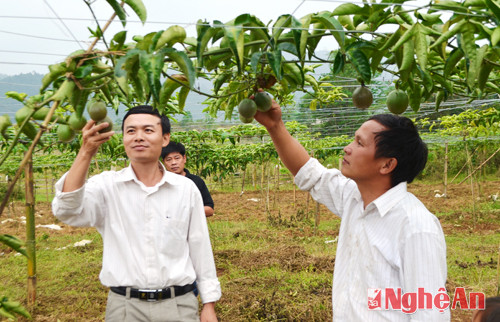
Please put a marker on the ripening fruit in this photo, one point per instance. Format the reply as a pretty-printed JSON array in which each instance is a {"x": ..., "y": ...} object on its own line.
[
  {"x": 97, "y": 111},
  {"x": 263, "y": 101},
  {"x": 397, "y": 101},
  {"x": 362, "y": 97},
  {"x": 247, "y": 108},
  {"x": 246, "y": 119},
  {"x": 65, "y": 133},
  {"x": 76, "y": 123},
  {"x": 109, "y": 127}
]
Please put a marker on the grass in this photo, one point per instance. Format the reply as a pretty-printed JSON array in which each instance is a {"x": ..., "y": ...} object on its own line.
[{"x": 273, "y": 266}]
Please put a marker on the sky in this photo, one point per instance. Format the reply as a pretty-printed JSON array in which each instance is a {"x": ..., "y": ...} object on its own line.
[{"x": 36, "y": 33}]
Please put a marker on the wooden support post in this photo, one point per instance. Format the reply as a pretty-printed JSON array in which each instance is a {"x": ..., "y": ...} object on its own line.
[{"x": 30, "y": 231}]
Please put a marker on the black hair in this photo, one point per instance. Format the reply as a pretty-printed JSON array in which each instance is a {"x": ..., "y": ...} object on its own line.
[
  {"x": 173, "y": 147},
  {"x": 147, "y": 109},
  {"x": 401, "y": 141}
]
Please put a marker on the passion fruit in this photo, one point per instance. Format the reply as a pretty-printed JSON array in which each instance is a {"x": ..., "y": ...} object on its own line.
[
  {"x": 362, "y": 97},
  {"x": 97, "y": 111},
  {"x": 246, "y": 119},
  {"x": 247, "y": 108},
  {"x": 109, "y": 127},
  {"x": 77, "y": 123},
  {"x": 65, "y": 133},
  {"x": 263, "y": 101},
  {"x": 397, "y": 101}
]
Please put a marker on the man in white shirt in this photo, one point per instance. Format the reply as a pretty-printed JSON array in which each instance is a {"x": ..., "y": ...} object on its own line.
[
  {"x": 155, "y": 236},
  {"x": 391, "y": 254}
]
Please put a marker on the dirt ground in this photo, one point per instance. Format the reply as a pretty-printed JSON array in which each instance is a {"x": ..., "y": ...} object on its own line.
[{"x": 252, "y": 206}]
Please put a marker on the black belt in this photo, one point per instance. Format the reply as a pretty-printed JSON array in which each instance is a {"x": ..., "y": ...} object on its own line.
[{"x": 154, "y": 295}]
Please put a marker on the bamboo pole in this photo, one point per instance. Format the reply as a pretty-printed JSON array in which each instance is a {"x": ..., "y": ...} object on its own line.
[
  {"x": 481, "y": 165},
  {"x": 254, "y": 174},
  {"x": 243, "y": 182},
  {"x": 30, "y": 231},
  {"x": 469, "y": 163},
  {"x": 445, "y": 175},
  {"x": 316, "y": 219}
]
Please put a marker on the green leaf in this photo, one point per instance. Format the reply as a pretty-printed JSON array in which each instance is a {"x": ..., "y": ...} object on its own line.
[
  {"x": 205, "y": 33},
  {"x": 288, "y": 47},
  {"x": 119, "y": 11},
  {"x": 118, "y": 40},
  {"x": 14, "y": 243},
  {"x": 408, "y": 57},
  {"x": 17, "y": 96},
  {"x": 83, "y": 71},
  {"x": 139, "y": 9},
  {"x": 455, "y": 56},
  {"x": 338, "y": 63},
  {"x": 426, "y": 79},
  {"x": 304, "y": 35},
  {"x": 448, "y": 5},
  {"x": 153, "y": 65},
  {"x": 495, "y": 8},
  {"x": 361, "y": 64},
  {"x": 258, "y": 28},
  {"x": 279, "y": 26},
  {"x": 236, "y": 40},
  {"x": 182, "y": 96},
  {"x": 448, "y": 34},
  {"x": 407, "y": 35},
  {"x": 274, "y": 59},
  {"x": 254, "y": 60},
  {"x": 495, "y": 37},
  {"x": 350, "y": 9},
  {"x": 332, "y": 24},
  {"x": 427, "y": 18},
  {"x": 184, "y": 63},
  {"x": 421, "y": 46}
]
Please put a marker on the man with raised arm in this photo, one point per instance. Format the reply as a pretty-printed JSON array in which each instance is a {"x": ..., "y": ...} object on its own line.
[
  {"x": 388, "y": 240},
  {"x": 154, "y": 231}
]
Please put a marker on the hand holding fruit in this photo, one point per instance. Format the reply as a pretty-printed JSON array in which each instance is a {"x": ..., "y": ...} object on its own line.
[
  {"x": 93, "y": 136},
  {"x": 271, "y": 117}
]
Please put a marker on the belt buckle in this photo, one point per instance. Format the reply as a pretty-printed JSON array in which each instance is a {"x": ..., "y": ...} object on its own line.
[{"x": 150, "y": 295}]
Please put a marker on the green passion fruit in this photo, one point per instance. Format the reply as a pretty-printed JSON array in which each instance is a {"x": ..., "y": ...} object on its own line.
[
  {"x": 263, "y": 101},
  {"x": 109, "y": 127},
  {"x": 65, "y": 133},
  {"x": 397, "y": 101},
  {"x": 97, "y": 111},
  {"x": 77, "y": 123},
  {"x": 247, "y": 108},
  {"x": 362, "y": 97},
  {"x": 246, "y": 119}
]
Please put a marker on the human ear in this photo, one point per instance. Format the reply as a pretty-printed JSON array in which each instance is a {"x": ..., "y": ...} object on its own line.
[{"x": 389, "y": 165}]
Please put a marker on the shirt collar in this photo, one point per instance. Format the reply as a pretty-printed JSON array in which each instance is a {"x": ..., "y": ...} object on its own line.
[
  {"x": 128, "y": 174},
  {"x": 390, "y": 198}
]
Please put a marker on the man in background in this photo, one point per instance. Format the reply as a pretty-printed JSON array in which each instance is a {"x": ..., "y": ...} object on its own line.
[{"x": 174, "y": 158}]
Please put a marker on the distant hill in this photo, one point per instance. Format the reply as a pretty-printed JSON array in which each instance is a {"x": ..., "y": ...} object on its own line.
[{"x": 23, "y": 83}]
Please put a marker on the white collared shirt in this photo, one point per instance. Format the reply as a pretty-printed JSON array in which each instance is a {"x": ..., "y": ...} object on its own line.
[
  {"x": 153, "y": 237},
  {"x": 394, "y": 243}
]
